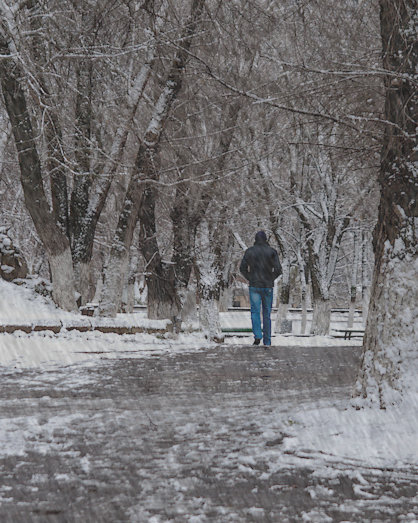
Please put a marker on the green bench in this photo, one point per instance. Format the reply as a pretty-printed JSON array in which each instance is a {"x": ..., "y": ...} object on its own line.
[{"x": 347, "y": 333}]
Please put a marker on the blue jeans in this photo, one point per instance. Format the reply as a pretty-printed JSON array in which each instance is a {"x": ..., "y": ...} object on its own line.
[{"x": 260, "y": 296}]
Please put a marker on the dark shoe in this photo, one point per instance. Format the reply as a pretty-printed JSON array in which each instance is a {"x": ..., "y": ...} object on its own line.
[{"x": 256, "y": 341}]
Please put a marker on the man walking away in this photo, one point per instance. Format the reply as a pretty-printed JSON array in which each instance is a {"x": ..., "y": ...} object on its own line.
[{"x": 261, "y": 266}]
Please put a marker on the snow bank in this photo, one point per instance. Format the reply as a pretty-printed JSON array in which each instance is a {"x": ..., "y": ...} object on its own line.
[
  {"x": 377, "y": 437},
  {"x": 23, "y": 306},
  {"x": 20, "y": 305},
  {"x": 45, "y": 349}
]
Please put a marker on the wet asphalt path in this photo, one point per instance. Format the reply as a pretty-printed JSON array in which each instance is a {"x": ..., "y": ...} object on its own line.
[{"x": 172, "y": 438}]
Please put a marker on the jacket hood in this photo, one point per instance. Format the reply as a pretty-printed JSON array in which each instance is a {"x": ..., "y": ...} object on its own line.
[{"x": 260, "y": 237}]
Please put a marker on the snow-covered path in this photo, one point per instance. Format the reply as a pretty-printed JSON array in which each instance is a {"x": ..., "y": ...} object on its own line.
[{"x": 231, "y": 433}]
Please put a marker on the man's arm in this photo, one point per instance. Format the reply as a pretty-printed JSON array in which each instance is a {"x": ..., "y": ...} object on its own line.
[{"x": 243, "y": 268}]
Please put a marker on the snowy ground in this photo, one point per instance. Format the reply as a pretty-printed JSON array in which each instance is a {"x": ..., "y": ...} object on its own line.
[{"x": 100, "y": 427}]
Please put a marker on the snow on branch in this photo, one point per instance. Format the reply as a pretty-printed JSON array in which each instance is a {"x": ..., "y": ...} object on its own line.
[{"x": 240, "y": 241}]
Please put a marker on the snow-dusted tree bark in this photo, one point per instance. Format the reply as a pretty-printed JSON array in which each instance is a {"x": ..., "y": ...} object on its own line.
[
  {"x": 162, "y": 299},
  {"x": 92, "y": 165},
  {"x": 53, "y": 238},
  {"x": 214, "y": 264},
  {"x": 84, "y": 176},
  {"x": 184, "y": 236},
  {"x": 389, "y": 362}
]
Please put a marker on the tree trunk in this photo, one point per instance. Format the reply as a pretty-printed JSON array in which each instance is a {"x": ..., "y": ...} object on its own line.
[
  {"x": 162, "y": 299},
  {"x": 209, "y": 296},
  {"x": 128, "y": 294},
  {"x": 188, "y": 305},
  {"x": 184, "y": 236},
  {"x": 321, "y": 316},
  {"x": 209, "y": 320},
  {"x": 353, "y": 283},
  {"x": 98, "y": 289},
  {"x": 303, "y": 276},
  {"x": 304, "y": 311},
  {"x": 83, "y": 180},
  {"x": 214, "y": 263},
  {"x": 53, "y": 238},
  {"x": 283, "y": 306},
  {"x": 365, "y": 283},
  {"x": 388, "y": 368},
  {"x": 58, "y": 180},
  {"x": 55, "y": 161},
  {"x": 62, "y": 276},
  {"x": 365, "y": 304}
]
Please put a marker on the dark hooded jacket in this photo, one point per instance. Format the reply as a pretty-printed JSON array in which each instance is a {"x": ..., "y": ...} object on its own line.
[{"x": 260, "y": 265}]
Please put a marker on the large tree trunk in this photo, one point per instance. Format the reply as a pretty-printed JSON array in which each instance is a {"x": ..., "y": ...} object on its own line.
[
  {"x": 53, "y": 238},
  {"x": 162, "y": 296},
  {"x": 389, "y": 362},
  {"x": 162, "y": 299},
  {"x": 214, "y": 265},
  {"x": 184, "y": 235},
  {"x": 209, "y": 319},
  {"x": 55, "y": 167},
  {"x": 210, "y": 286},
  {"x": 321, "y": 317},
  {"x": 83, "y": 180}
]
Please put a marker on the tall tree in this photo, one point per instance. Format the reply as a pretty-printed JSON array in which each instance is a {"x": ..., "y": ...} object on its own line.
[
  {"x": 47, "y": 226},
  {"x": 91, "y": 189},
  {"x": 141, "y": 195},
  {"x": 390, "y": 343}
]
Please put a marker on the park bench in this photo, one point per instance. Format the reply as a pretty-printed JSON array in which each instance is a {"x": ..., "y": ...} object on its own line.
[
  {"x": 236, "y": 331},
  {"x": 347, "y": 333}
]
